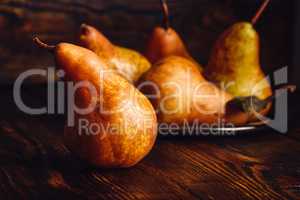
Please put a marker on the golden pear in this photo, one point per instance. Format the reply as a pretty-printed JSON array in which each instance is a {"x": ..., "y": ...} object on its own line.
[
  {"x": 122, "y": 124},
  {"x": 235, "y": 65},
  {"x": 128, "y": 63}
]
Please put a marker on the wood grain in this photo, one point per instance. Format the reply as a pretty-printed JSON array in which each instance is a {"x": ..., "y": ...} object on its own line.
[
  {"x": 35, "y": 164},
  {"x": 129, "y": 23}
]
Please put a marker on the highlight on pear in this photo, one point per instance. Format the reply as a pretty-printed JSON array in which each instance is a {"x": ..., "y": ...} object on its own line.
[{"x": 118, "y": 105}]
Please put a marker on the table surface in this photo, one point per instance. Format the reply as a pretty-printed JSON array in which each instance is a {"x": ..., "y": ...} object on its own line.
[{"x": 35, "y": 164}]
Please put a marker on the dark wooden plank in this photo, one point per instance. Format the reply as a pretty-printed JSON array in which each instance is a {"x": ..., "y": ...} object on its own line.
[
  {"x": 129, "y": 23},
  {"x": 118, "y": 184},
  {"x": 248, "y": 168},
  {"x": 263, "y": 161},
  {"x": 24, "y": 173},
  {"x": 54, "y": 166},
  {"x": 35, "y": 163}
]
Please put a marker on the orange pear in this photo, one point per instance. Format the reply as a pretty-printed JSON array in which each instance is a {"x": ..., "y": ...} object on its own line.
[
  {"x": 122, "y": 125},
  {"x": 165, "y": 41}
]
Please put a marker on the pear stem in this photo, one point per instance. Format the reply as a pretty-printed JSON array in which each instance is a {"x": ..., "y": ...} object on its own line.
[
  {"x": 84, "y": 29},
  {"x": 43, "y": 45},
  {"x": 260, "y": 11},
  {"x": 165, "y": 10}
]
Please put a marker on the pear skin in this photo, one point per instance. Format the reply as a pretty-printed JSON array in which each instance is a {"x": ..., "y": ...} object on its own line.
[
  {"x": 164, "y": 43},
  {"x": 235, "y": 63},
  {"x": 182, "y": 95},
  {"x": 126, "y": 117},
  {"x": 128, "y": 63}
]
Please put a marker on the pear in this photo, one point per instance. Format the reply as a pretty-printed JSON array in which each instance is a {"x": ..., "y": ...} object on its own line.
[
  {"x": 234, "y": 63},
  {"x": 165, "y": 41},
  {"x": 125, "y": 121},
  {"x": 180, "y": 94},
  {"x": 128, "y": 63}
]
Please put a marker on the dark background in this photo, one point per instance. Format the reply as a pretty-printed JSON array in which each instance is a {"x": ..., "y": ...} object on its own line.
[
  {"x": 130, "y": 22},
  {"x": 35, "y": 163}
]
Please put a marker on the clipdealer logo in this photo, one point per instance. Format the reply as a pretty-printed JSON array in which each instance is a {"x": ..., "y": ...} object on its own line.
[{"x": 59, "y": 92}]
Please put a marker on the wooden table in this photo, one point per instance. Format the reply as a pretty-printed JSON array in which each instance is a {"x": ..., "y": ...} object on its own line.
[{"x": 35, "y": 164}]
